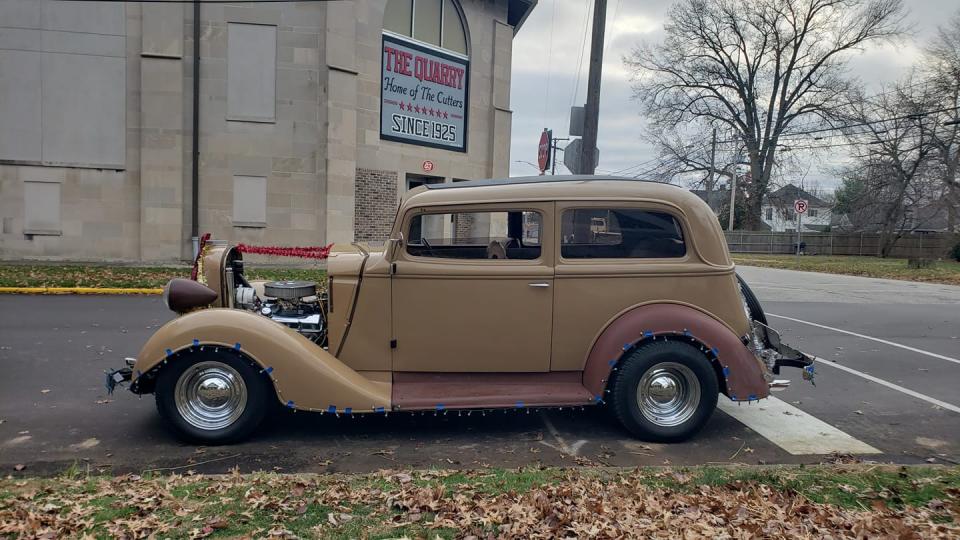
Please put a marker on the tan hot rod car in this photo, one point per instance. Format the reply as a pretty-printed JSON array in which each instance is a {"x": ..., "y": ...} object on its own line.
[{"x": 519, "y": 293}]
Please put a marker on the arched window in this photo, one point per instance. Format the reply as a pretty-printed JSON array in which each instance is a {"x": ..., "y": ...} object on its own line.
[{"x": 436, "y": 22}]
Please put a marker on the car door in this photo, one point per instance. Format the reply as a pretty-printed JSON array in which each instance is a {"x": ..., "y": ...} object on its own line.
[{"x": 477, "y": 296}]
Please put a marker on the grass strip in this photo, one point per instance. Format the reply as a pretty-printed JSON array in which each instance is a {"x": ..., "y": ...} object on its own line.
[
  {"x": 838, "y": 501},
  {"x": 945, "y": 272},
  {"x": 125, "y": 277}
]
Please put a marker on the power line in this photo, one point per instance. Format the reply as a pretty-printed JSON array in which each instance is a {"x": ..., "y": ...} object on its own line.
[{"x": 858, "y": 124}]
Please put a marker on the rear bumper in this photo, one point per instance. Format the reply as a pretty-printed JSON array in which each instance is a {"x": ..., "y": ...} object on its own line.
[{"x": 776, "y": 354}]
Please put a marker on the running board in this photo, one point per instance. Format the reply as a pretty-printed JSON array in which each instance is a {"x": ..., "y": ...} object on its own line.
[{"x": 438, "y": 391}]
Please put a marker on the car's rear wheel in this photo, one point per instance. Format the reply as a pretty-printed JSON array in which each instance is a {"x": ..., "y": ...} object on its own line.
[
  {"x": 664, "y": 391},
  {"x": 212, "y": 398},
  {"x": 753, "y": 305}
]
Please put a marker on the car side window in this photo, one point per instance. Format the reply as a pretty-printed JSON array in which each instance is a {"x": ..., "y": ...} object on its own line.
[
  {"x": 620, "y": 233},
  {"x": 476, "y": 235}
]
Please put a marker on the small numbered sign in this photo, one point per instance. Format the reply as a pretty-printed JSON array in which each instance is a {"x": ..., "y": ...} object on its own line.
[{"x": 800, "y": 206}]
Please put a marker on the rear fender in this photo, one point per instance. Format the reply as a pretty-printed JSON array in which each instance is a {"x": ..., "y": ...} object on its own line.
[
  {"x": 304, "y": 375},
  {"x": 741, "y": 373}
]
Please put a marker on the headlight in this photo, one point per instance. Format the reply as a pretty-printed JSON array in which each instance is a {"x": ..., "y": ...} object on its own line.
[{"x": 183, "y": 295}]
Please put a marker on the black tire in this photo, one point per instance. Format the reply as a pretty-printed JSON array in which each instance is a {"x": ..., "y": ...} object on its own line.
[
  {"x": 653, "y": 357},
  {"x": 258, "y": 395},
  {"x": 756, "y": 311}
]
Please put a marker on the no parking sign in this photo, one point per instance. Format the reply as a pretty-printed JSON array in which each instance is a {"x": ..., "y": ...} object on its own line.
[{"x": 800, "y": 205}]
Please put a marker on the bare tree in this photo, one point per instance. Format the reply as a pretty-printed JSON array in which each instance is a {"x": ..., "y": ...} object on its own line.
[
  {"x": 941, "y": 67},
  {"x": 683, "y": 152},
  {"x": 760, "y": 68},
  {"x": 889, "y": 134}
]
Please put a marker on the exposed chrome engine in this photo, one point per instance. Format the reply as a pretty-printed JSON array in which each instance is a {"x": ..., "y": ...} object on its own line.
[{"x": 292, "y": 303}]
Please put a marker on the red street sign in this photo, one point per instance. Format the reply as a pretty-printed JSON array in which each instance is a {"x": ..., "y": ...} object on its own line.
[
  {"x": 427, "y": 165},
  {"x": 543, "y": 152},
  {"x": 800, "y": 206}
]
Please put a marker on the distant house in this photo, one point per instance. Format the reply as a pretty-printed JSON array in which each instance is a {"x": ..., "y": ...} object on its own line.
[
  {"x": 778, "y": 214},
  {"x": 777, "y": 211}
]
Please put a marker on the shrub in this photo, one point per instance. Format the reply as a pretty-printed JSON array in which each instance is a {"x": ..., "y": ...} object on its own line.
[{"x": 955, "y": 252}]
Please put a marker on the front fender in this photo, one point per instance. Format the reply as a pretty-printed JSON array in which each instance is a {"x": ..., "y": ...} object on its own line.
[
  {"x": 742, "y": 373},
  {"x": 304, "y": 375}
]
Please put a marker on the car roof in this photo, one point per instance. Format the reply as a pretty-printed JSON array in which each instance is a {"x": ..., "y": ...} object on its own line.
[
  {"x": 548, "y": 187},
  {"x": 703, "y": 223}
]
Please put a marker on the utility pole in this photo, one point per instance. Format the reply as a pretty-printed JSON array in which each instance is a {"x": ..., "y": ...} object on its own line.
[
  {"x": 592, "y": 109},
  {"x": 713, "y": 158},
  {"x": 733, "y": 196},
  {"x": 553, "y": 166}
]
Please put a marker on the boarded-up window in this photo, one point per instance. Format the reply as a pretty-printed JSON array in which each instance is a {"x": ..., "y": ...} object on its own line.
[
  {"x": 63, "y": 83},
  {"x": 20, "y": 105},
  {"x": 41, "y": 208},
  {"x": 251, "y": 72},
  {"x": 84, "y": 109},
  {"x": 249, "y": 201}
]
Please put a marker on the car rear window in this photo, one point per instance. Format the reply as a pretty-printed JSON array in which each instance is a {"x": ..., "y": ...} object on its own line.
[
  {"x": 476, "y": 235},
  {"x": 620, "y": 233}
]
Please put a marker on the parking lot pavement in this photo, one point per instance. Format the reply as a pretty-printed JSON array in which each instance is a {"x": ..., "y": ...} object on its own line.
[{"x": 870, "y": 395}]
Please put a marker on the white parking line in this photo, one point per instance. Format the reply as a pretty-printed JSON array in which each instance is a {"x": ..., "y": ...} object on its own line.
[
  {"x": 878, "y": 340},
  {"x": 897, "y": 387},
  {"x": 792, "y": 429}
]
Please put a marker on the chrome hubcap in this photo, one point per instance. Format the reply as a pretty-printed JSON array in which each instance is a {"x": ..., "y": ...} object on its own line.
[
  {"x": 668, "y": 394},
  {"x": 210, "y": 395}
]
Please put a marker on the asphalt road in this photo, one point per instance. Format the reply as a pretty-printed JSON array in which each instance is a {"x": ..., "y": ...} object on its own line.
[{"x": 899, "y": 396}]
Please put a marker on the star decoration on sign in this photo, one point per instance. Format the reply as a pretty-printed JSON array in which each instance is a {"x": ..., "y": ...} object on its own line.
[
  {"x": 409, "y": 107},
  {"x": 416, "y": 108},
  {"x": 445, "y": 115}
]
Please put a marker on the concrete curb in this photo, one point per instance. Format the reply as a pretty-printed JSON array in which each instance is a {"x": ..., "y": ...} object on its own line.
[{"x": 78, "y": 290}]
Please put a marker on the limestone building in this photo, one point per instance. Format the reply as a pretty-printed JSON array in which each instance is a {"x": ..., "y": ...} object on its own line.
[{"x": 313, "y": 118}]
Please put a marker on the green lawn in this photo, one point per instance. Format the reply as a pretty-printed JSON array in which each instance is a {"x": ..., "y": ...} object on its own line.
[
  {"x": 539, "y": 502},
  {"x": 92, "y": 275},
  {"x": 947, "y": 272}
]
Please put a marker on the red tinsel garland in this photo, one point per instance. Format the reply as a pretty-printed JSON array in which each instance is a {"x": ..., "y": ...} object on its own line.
[{"x": 309, "y": 252}]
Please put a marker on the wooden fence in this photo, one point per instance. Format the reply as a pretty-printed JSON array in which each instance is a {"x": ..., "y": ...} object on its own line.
[{"x": 929, "y": 245}]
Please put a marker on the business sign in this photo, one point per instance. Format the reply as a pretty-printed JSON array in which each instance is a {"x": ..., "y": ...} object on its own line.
[{"x": 423, "y": 95}]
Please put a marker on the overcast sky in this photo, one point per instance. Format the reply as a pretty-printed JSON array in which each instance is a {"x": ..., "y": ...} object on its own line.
[{"x": 546, "y": 83}]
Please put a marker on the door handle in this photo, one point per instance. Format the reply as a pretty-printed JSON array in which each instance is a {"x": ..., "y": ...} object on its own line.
[{"x": 539, "y": 285}]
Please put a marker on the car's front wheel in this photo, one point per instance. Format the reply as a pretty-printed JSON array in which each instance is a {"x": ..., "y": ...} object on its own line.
[
  {"x": 664, "y": 391},
  {"x": 212, "y": 398}
]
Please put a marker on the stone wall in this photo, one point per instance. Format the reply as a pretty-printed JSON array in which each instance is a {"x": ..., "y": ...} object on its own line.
[
  {"x": 375, "y": 204},
  {"x": 328, "y": 175}
]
